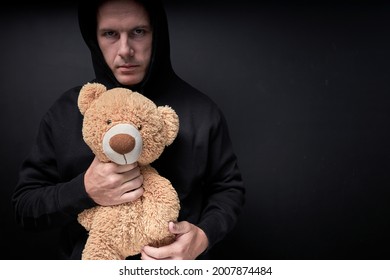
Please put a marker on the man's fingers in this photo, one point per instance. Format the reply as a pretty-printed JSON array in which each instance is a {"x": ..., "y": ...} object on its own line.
[
  {"x": 130, "y": 175},
  {"x": 131, "y": 195},
  {"x": 127, "y": 167},
  {"x": 152, "y": 253},
  {"x": 132, "y": 184}
]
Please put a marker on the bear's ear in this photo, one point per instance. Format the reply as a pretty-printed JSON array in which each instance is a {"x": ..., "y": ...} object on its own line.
[
  {"x": 171, "y": 123},
  {"x": 88, "y": 93}
]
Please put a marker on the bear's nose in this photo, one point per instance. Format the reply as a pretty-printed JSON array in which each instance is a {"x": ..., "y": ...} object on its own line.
[{"x": 122, "y": 143}]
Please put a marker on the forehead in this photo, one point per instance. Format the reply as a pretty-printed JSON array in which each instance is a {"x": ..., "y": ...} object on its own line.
[{"x": 122, "y": 11}]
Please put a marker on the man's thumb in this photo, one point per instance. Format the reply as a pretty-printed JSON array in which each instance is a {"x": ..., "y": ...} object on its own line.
[{"x": 179, "y": 227}]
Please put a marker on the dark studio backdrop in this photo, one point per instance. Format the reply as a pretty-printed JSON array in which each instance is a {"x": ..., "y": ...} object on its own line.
[{"x": 305, "y": 89}]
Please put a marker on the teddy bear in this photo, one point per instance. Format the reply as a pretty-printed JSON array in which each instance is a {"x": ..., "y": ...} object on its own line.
[{"x": 124, "y": 126}]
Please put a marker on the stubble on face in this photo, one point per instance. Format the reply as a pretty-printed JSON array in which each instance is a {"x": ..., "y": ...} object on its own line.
[{"x": 124, "y": 35}]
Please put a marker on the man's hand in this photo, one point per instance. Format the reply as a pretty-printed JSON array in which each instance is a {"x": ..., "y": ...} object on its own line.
[
  {"x": 112, "y": 184},
  {"x": 190, "y": 242}
]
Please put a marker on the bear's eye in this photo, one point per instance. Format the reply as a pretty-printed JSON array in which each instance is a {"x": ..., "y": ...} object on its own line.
[
  {"x": 109, "y": 121},
  {"x": 139, "y": 126}
]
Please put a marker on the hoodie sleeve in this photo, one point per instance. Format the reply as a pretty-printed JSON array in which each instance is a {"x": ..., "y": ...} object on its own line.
[
  {"x": 225, "y": 188},
  {"x": 42, "y": 198}
]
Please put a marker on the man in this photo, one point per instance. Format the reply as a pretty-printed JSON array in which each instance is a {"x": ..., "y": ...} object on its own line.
[{"x": 129, "y": 46}]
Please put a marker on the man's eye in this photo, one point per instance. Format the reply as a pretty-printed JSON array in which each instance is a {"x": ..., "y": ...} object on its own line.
[
  {"x": 109, "y": 34},
  {"x": 138, "y": 32}
]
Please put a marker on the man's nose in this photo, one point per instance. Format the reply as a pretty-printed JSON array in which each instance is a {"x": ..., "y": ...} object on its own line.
[{"x": 125, "y": 48}]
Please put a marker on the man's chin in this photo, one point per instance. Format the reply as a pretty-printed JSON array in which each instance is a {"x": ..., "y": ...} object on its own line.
[{"x": 128, "y": 81}]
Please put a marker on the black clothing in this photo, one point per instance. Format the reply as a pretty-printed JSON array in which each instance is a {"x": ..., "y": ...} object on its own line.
[{"x": 200, "y": 163}]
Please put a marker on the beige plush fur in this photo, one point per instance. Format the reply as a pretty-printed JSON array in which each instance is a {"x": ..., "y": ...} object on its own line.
[{"x": 116, "y": 232}]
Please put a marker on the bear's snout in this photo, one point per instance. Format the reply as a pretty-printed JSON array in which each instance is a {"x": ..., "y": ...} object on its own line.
[{"x": 122, "y": 143}]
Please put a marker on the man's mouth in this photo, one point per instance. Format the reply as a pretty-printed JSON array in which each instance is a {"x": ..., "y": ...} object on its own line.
[{"x": 128, "y": 66}]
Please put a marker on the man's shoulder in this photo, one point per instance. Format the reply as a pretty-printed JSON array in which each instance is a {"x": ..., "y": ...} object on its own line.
[
  {"x": 193, "y": 94},
  {"x": 70, "y": 94},
  {"x": 65, "y": 104}
]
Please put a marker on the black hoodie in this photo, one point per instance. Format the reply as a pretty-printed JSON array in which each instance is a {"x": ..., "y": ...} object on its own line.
[{"x": 200, "y": 163}]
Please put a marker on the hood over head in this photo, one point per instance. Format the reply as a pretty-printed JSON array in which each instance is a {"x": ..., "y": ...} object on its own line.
[{"x": 160, "y": 64}]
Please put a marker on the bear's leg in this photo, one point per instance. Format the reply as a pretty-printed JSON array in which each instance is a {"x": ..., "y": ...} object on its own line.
[{"x": 97, "y": 248}]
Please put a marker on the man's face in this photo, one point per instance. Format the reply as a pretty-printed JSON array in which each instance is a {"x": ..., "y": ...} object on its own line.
[{"x": 124, "y": 35}]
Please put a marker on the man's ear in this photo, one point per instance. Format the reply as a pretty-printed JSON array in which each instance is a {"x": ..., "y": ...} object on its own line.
[
  {"x": 88, "y": 93},
  {"x": 171, "y": 123}
]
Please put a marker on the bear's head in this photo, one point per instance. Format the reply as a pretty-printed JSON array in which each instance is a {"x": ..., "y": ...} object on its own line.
[{"x": 124, "y": 126}]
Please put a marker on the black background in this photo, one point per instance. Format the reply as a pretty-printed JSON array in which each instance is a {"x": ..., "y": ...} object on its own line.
[{"x": 304, "y": 87}]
